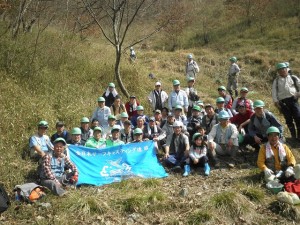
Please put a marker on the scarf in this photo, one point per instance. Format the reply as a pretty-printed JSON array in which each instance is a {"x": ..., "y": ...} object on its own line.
[
  {"x": 270, "y": 153},
  {"x": 114, "y": 92}
]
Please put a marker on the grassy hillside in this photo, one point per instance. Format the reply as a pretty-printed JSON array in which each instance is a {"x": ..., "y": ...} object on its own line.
[{"x": 61, "y": 80}]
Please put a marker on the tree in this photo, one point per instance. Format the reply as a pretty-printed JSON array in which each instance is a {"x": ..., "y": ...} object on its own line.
[{"x": 115, "y": 18}]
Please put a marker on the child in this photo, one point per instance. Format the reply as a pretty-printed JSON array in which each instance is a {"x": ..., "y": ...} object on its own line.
[{"x": 198, "y": 152}]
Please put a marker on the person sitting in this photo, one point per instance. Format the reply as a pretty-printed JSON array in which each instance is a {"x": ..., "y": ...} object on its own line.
[
  {"x": 158, "y": 118},
  {"x": 242, "y": 100},
  {"x": 275, "y": 159},
  {"x": 242, "y": 118},
  {"x": 194, "y": 121},
  {"x": 164, "y": 115},
  {"x": 76, "y": 137},
  {"x": 117, "y": 108},
  {"x": 60, "y": 132},
  {"x": 220, "y": 101},
  {"x": 124, "y": 117},
  {"x": 177, "y": 150},
  {"x": 96, "y": 141},
  {"x": 140, "y": 113},
  {"x": 101, "y": 113},
  {"x": 95, "y": 123},
  {"x": 126, "y": 132},
  {"x": 114, "y": 140},
  {"x": 106, "y": 132},
  {"x": 158, "y": 98},
  {"x": 168, "y": 126},
  {"x": 137, "y": 135},
  {"x": 110, "y": 94},
  {"x": 155, "y": 133},
  {"x": 40, "y": 143},
  {"x": 86, "y": 131},
  {"x": 198, "y": 153},
  {"x": 53, "y": 169},
  {"x": 210, "y": 119},
  {"x": 179, "y": 116},
  {"x": 131, "y": 106},
  {"x": 223, "y": 139},
  {"x": 260, "y": 121},
  {"x": 227, "y": 97}
]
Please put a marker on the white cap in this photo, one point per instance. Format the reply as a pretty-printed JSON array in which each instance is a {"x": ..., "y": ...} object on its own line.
[
  {"x": 178, "y": 124},
  {"x": 157, "y": 84}
]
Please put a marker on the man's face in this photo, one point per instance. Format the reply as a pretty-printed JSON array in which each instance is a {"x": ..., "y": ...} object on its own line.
[
  {"x": 220, "y": 105},
  {"x": 140, "y": 112},
  {"x": 138, "y": 137},
  {"x": 111, "y": 122},
  {"x": 42, "y": 130},
  {"x": 209, "y": 111},
  {"x": 176, "y": 87},
  {"x": 170, "y": 119},
  {"x": 58, "y": 148},
  {"x": 115, "y": 134},
  {"x": 177, "y": 112},
  {"x": 110, "y": 89},
  {"x": 157, "y": 87},
  {"x": 221, "y": 92},
  {"x": 259, "y": 111},
  {"x": 123, "y": 119},
  {"x": 60, "y": 129},
  {"x": 282, "y": 72},
  {"x": 85, "y": 126},
  {"x": 224, "y": 122},
  {"x": 196, "y": 113},
  {"x": 273, "y": 138},
  {"x": 95, "y": 123},
  {"x": 157, "y": 116},
  {"x": 242, "y": 109},
  {"x": 76, "y": 137},
  {"x": 132, "y": 100},
  {"x": 101, "y": 104},
  {"x": 140, "y": 123},
  {"x": 243, "y": 94},
  {"x": 177, "y": 130},
  {"x": 97, "y": 134},
  {"x": 151, "y": 123},
  {"x": 127, "y": 126},
  {"x": 191, "y": 83}
]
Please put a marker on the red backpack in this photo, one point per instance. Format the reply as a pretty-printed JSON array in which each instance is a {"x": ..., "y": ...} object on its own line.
[{"x": 293, "y": 187}]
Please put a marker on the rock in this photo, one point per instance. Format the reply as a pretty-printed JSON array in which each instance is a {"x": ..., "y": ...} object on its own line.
[{"x": 184, "y": 192}]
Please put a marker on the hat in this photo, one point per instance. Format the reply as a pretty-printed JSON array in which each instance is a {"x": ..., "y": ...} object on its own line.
[
  {"x": 207, "y": 105},
  {"x": 101, "y": 99},
  {"x": 220, "y": 100},
  {"x": 139, "y": 108},
  {"x": 189, "y": 56},
  {"x": 43, "y": 123},
  {"x": 137, "y": 131},
  {"x": 196, "y": 135},
  {"x": 200, "y": 103},
  {"x": 60, "y": 124},
  {"x": 116, "y": 127},
  {"x": 233, "y": 59},
  {"x": 223, "y": 115},
  {"x": 221, "y": 88},
  {"x": 60, "y": 140},
  {"x": 170, "y": 114},
  {"x": 151, "y": 118},
  {"x": 85, "y": 120},
  {"x": 197, "y": 108},
  {"x": 176, "y": 82},
  {"x": 258, "y": 104},
  {"x": 280, "y": 66},
  {"x": 157, "y": 111},
  {"x": 241, "y": 105},
  {"x": 98, "y": 128},
  {"x": 76, "y": 130},
  {"x": 157, "y": 84},
  {"x": 124, "y": 115},
  {"x": 132, "y": 96},
  {"x": 178, "y": 107},
  {"x": 177, "y": 124},
  {"x": 244, "y": 89},
  {"x": 191, "y": 79},
  {"x": 111, "y": 85},
  {"x": 111, "y": 117}
]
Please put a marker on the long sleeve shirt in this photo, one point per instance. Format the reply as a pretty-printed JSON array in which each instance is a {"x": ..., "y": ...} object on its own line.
[
  {"x": 101, "y": 114},
  {"x": 178, "y": 98},
  {"x": 233, "y": 69},
  {"x": 284, "y": 87}
]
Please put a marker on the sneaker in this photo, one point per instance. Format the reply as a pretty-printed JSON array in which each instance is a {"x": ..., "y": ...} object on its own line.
[{"x": 176, "y": 169}]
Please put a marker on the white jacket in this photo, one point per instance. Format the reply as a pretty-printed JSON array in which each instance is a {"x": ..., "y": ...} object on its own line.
[{"x": 152, "y": 99}]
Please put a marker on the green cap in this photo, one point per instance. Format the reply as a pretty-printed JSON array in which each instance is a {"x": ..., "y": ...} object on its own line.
[
  {"x": 111, "y": 85},
  {"x": 189, "y": 56},
  {"x": 139, "y": 108},
  {"x": 76, "y": 130},
  {"x": 124, "y": 115},
  {"x": 101, "y": 99},
  {"x": 233, "y": 59},
  {"x": 197, "y": 108},
  {"x": 223, "y": 115},
  {"x": 258, "y": 104},
  {"x": 85, "y": 120},
  {"x": 43, "y": 123},
  {"x": 200, "y": 102},
  {"x": 98, "y": 128},
  {"x": 273, "y": 130},
  {"x": 281, "y": 65},
  {"x": 116, "y": 127},
  {"x": 60, "y": 140},
  {"x": 191, "y": 79},
  {"x": 137, "y": 131},
  {"x": 178, "y": 107},
  {"x": 111, "y": 117},
  {"x": 176, "y": 82},
  {"x": 220, "y": 99},
  {"x": 196, "y": 135},
  {"x": 244, "y": 89},
  {"x": 221, "y": 88}
]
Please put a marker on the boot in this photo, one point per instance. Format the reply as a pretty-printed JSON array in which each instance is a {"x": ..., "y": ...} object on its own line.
[
  {"x": 236, "y": 93},
  {"x": 187, "y": 170},
  {"x": 206, "y": 169},
  {"x": 292, "y": 131}
]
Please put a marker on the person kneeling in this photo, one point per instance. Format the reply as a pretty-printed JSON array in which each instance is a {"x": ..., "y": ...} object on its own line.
[
  {"x": 177, "y": 149},
  {"x": 275, "y": 159},
  {"x": 198, "y": 152},
  {"x": 53, "y": 174}
]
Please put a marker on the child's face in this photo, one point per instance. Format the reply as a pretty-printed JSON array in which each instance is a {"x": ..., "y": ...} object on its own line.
[
  {"x": 201, "y": 131},
  {"x": 198, "y": 141}
]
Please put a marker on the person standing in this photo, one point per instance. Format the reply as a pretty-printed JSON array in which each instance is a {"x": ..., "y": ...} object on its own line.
[
  {"x": 110, "y": 94},
  {"x": 192, "y": 95},
  {"x": 233, "y": 76},
  {"x": 157, "y": 98},
  {"x": 285, "y": 94},
  {"x": 102, "y": 113},
  {"x": 178, "y": 97},
  {"x": 191, "y": 68}
]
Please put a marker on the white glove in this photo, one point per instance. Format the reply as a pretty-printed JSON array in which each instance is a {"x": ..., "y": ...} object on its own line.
[
  {"x": 289, "y": 171},
  {"x": 268, "y": 172}
]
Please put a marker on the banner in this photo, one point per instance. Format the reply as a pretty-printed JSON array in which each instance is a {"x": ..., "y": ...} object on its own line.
[{"x": 113, "y": 164}]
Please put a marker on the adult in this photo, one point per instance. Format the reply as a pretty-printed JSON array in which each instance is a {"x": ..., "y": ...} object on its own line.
[
  {"x": 86, "y": 131},
  {"x": 274, "y": 157},
  {"x": 223, "y": 139},
  {"x": 96, "y": 141},
  {"x": 140, "y": 124},
  {"x": 220, "y": 101},
  {"x": 110, "y": 94},
  {"x": 106, "y": 132},
  {"x": 177, "y": 150},
  {"x": 117, "y": 108},
  {"x": 158, "y": 98},
  {"x": 137, "y": 135},
  {"x": 124, "y": 117},
  {"x": 178, "y": 97},
  {"x": 168, "y": 126},
  {"x": 242, "y": 99},
  {"x": 114, "y": 140},
  {"x": 158, "y": 118},
  {"x": 94, "y": 123},
  {"x": 60, "y": 132},
  {"x": 126, "y": 132},
  {"x": 191, "y": 68},
  {"x": 76, "y": 137},
  {"x": 53, "y": 174},
  {"x": 192, "y": 95},
  {"x": 40, "y": 143},
  {"x": 233, "y": 76},
  {"x": 242, "y": 118},
  {"x": 164, "y": 116},
  {"x": 210, "y": 119},
  {"x": 260, "y": 121},
  {"x": 153, "y": 132},
  {"x": 179, "y": 116},
  {"x": 140, "y": 112},
  {"x": 227, "y": 97},
  {"x": 132, "y": 54},
  {"x": 194, "y": 121},
  {"x": 131, "y": 106},
  {"x": 101, "y": 113},
  {"x": 285, "y": 94}
]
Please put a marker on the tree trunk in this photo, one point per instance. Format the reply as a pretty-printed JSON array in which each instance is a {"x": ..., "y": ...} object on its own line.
[{"x": 117, "y": 72}]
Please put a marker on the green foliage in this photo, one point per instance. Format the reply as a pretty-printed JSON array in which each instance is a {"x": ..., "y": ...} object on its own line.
[
  {"x": 224, "y": 200},
  {"x": 199, "y": 217},
  {"x": 254, "y": 194}
]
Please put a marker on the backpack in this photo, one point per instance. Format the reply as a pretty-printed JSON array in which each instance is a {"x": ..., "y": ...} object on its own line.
[
  {"x": 4, "y": 199},
  {"x": 29, "y": 192},
  {"x": 293, "y": 187}
]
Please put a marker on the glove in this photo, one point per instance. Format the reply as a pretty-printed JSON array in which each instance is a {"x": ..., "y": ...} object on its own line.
[
  {"x": 289, "y": 171},
  {"x": 74, "y": 179},
  {"x": 268, "y": 172}
]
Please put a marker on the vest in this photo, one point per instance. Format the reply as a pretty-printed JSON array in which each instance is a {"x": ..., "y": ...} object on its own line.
[
  {"x": 270, "y": 162},
  {"x": 56, "y": 167},
  {"x": 180, "y": 148},
  {"x": 228, "y": 134}
]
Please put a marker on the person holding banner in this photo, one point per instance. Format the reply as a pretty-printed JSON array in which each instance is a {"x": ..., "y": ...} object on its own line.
[
  {"x": 137, "y": 135},
  {"x": 96, "y": 141},
  {"x": 114, "y": 139},
  {"x": 177, "y": 150},
  {"x": 126, "y": 132},
  {"x": 76, "y": 137},
  {"x": 53, "y": 174}
]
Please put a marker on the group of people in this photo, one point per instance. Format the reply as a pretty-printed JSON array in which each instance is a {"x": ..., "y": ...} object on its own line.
[{"x": 187, "y": 131}]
